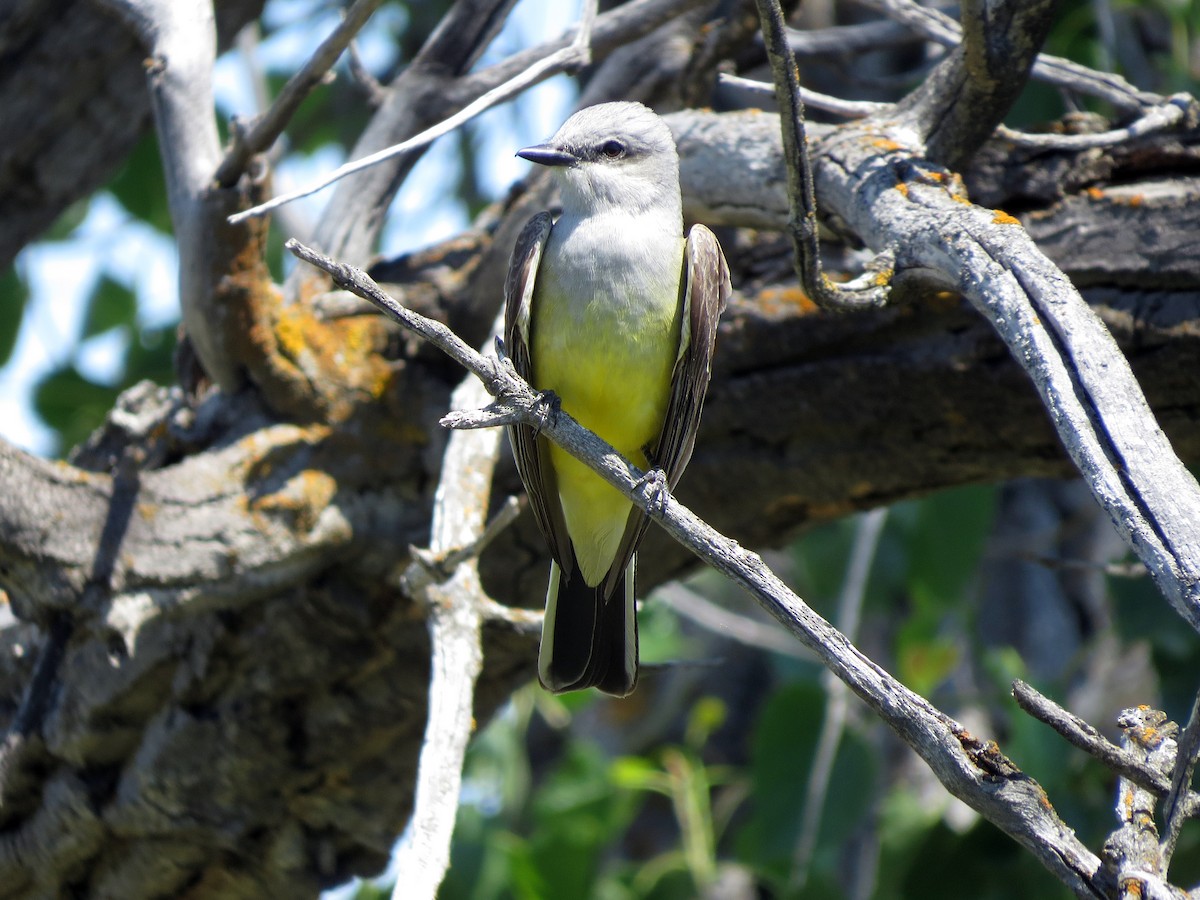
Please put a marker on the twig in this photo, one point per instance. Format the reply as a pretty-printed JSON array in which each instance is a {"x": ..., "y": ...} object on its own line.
[
  {"x": 260, "y": 134},
  {"x": 368, "y": 83},
  {"x": 837, "y": 696},
  {"x": 577, "y": 53},
  {"x": 974, "y": 771},
  {"x": 455, "y": 618},
  {"x": 1178, "y": 805},
  {"x": 1133, "y": 851},
  {"x": 1174, "y": 111},
  {"x": 1055, "y": 70},
  {"x": 869, "y": 291},
  {"x": 848, "y": 40},
  {"x": 1092, "y": 742},
  {"x": 708, "y": 615},
  {"x": 851, "y": 109},
  {"x": 439, "y": 568}
]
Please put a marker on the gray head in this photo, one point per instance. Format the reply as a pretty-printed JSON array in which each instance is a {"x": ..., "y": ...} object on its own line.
[{"x": 613, "y": 155}]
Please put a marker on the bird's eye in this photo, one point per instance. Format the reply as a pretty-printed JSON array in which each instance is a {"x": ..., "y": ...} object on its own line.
[{"x": 613, "y": 149}]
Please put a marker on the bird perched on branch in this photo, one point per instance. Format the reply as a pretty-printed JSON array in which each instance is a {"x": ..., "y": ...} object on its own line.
[{"x": 612, "y": 309}]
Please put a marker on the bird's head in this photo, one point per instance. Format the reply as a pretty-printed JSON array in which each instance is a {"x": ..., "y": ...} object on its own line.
[{"x": 613, "y": 155}]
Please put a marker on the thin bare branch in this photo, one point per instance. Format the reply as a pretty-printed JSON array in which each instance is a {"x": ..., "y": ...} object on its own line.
[
  {"x": 802, "y": 218},
  {"x": 458, "y": 531},
  {"x": 1178, "y": 805},
  {"x": 1133, "y": 851},
  {"x": 720, "y": 621},
  {"x": 1176, "y": 110},
  {"x": 1092, "y": 742},
  {"x": 837, "y": 697},
  {"x": 851, "y": 109},
  {"x": 577, "y": 54},
  {"x": 260, "y": 134}
]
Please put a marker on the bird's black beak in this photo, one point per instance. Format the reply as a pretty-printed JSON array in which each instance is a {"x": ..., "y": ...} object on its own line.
[{"x": 548, "y": 155}]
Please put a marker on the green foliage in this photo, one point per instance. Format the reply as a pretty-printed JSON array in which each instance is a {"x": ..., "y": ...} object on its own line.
[
  {"x": 74, "y": 404},
  {"x": 14, "y": 294},
  {"x": 111, "y": 305},
  {"x": 140, "y": 186}
]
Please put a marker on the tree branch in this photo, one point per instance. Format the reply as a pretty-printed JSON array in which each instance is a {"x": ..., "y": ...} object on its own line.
[
  {"x": 260, "y": 134},
  {"x": 871, "y": 290},
  {"x": 973, "y": 771},
  {"x": 1098, "y": 409},
  {"x": 968, "y": 94},
  {"x": 1128, "y": 765},
  {"x": 576, "y": 54},
  {"x": 455, "y": 605}
]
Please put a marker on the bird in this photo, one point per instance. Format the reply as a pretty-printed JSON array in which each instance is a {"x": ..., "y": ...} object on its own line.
[{"x": 613, "y": 311}]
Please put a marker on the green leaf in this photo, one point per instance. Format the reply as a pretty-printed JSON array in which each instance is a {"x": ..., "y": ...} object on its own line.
[
  {"x": 948, "y": 537},
  {"x": 71, "y": 404},
  {"x": 140, "y": 186},
  {"x": 68, "y": 220},
  {"x": 781, "y": 758},
  {"x": 111, "y": 305},
  {"x": 14, "y": 294}
]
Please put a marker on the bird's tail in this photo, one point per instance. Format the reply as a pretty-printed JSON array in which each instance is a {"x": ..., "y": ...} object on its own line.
[{"x": 589, "y": 640}]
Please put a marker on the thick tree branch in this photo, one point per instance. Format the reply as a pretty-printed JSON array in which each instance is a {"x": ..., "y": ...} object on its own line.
[
  {"x": 893, "y": 200},
  {"x": 968, "y": 94}
]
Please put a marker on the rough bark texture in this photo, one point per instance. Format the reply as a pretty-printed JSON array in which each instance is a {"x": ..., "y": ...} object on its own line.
[{"x": 215, "y": 689}]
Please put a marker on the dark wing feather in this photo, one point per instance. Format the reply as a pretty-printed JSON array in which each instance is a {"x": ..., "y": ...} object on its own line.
[
  {"x": 530, "y": 453},
  {"x": 705, "y": 293}
]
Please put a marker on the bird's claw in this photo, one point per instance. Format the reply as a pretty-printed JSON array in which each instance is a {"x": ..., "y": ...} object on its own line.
[
  {"x": 546, "y": 407},
  {"x": 654, "y": 484}
]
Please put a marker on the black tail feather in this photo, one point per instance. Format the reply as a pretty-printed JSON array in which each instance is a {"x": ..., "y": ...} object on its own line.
[{"x": 589, "y": 640}]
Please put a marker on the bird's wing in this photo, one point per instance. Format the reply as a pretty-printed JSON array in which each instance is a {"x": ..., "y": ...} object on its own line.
[
  {"x": 532, "y": 455},
  {"x": 705, "y": 293}
]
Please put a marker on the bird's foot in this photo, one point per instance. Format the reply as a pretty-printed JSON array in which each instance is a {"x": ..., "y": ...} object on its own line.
[
  {"x": 654, "y": 485},
  {"x": 546, "y": 407}
]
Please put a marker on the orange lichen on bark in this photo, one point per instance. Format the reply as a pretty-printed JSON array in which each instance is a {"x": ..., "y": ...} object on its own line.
[
  {"x": 300, "y": 501},
  {"x": 785, "y": 301}
]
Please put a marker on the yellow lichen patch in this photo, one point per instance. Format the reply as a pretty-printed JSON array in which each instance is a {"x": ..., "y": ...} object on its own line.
[
  {"x": 301, "y": 500},
  {"x": 959, "y": 198},
  {"x": 902, "y": 188},
  {"x": 861, "y": 489},
  {"x": 1000, "y": 217},
  {"x": 1095, "y": 193},
  {"x": 342, "y": 359},
  {"x": 785, "y": 301},
  {"x": 147, "y": 511},
  {"x": 887, "y": 145}
]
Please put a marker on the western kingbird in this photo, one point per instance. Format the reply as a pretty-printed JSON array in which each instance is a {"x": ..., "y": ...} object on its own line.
[{"x": 615, "y": 312}]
